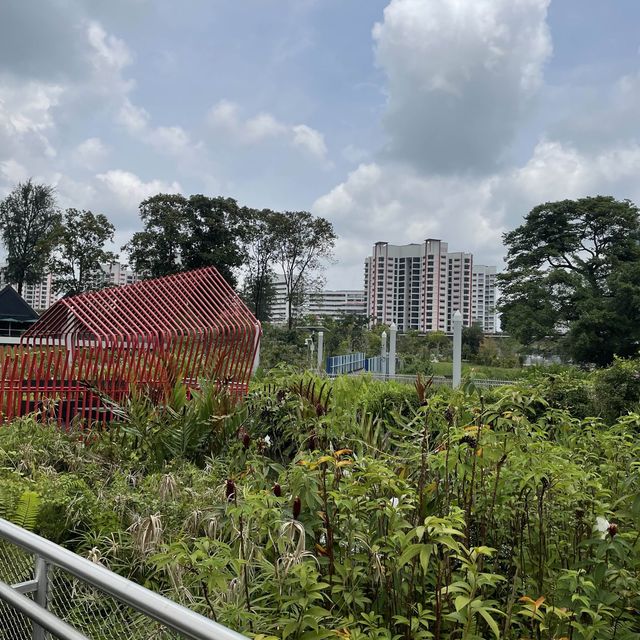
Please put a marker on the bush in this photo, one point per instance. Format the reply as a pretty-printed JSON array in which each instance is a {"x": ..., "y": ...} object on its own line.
[{"x": 617, "y": 389}]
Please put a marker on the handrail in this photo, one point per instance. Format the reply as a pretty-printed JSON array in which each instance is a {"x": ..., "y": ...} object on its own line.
[
  {"x": 169, "y": 613},
  {"x": 39, "y": 614}
]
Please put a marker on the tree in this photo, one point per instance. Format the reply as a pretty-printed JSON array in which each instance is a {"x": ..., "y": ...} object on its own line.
[
  {"x": 79, "y": 251},
  {"x": 29, "y": 220},
  {"x": 573, "y": 277},
  {"x": 471, "y": 340},
  {"x": 213, "y": 227},
  {"x": 260, "y": 230},
  {"x": 259, "y": 294},
  {"x": 156, "y": 250},
  {"x": 301, "y": 242},
  {"x": 181, "y": 234}
]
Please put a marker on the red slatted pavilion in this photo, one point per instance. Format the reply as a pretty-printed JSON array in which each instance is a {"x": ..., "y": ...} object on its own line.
[{"x": 149, "y": 335}]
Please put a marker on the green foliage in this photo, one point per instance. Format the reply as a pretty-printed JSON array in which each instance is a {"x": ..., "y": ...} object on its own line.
[
  {"x": 357, "y": 508},
  {"x": 29, "y": 222},
  {"x": 617, "y": 389},
  {"x": 156, "y": 250},
  {"x": 23, "y": 511},
  {"x": 79, "y": 251},
  {"x": 301, "y": 242},
  {"x": 258, "y": 232},
  {"x": 471, "y": 340},
  {"x": 573, "y": 277},
  {"x": 213, "y": 229}
]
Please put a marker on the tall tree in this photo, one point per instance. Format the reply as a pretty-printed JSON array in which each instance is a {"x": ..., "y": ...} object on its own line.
[
  {"x": 471, "y": 340},
  {"x": 156, "y": 250},
  {"x": 573, "y": 277},
  {"x": 80, "y": 250},
  {"x": 29, "y": 221},
  {"x": 213, "y": 227},
  {"x": 258, "y": 238},
  {"x": 181, "y": 234},
  {"x": 301, "y": 243}
]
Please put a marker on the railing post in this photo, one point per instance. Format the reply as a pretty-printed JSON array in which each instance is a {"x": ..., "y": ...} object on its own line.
[
  {"x": 41, "y": 595},
  {"x": 383, "y": 354},
  {"x": 320, "y": 350},
  {"x": 457, "y": 349},
  {"x": 391, "y": 367}
]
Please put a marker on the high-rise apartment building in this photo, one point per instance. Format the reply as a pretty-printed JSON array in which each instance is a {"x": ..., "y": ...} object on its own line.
[
  {"x": 118, "y": 274},
  {"x": 484, "y": 298},
  {"x": 418, "y": 286}
]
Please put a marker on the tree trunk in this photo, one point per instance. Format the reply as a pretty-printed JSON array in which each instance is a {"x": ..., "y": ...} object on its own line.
[{"x": 290, "y": 307}]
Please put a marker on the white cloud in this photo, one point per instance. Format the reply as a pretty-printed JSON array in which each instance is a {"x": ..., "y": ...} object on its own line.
[
  {"x": 27, "y": 108},
  {"x": 262, "y": 126},
  {"x": 108, "y": 50},
  {"x": 130, "y": 190},
  {"x": 89, "y": 153},
  {"x": 13, "y": 172},
  {"x": 397, "y": 204},
  {"x": 309, "y": 139},
  {"x": 460, "y": 77},
  {"x": 173, "y": 140},
  {"x": 225, "y": 117},
  {"x": 134, "y": 119}
]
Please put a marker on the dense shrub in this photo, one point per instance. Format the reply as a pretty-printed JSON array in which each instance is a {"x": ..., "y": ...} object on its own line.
[
  {"x": 376, "y": 511},
  {"x": 617, "y": 389}
]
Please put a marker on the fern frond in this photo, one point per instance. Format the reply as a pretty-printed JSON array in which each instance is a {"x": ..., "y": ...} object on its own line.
[{"x": 27, "y": 510}]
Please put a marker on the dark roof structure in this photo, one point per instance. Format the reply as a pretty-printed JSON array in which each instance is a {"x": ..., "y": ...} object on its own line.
[{"x": 13, "y": 306}]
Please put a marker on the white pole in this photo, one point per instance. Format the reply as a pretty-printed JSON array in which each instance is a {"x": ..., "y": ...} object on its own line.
[
  {"x": 256, "y": 359},
  {"x": 391, "y": 368},
  {"x": 457, "y": 349},
  {"x": 383, "y": 352},
  {"x": 320, "y": 350}
]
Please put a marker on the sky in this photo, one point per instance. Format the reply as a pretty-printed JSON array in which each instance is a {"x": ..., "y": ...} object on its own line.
[{"x": 396, "y": 120}]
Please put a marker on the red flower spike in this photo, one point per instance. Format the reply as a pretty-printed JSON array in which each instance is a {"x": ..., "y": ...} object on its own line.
[{"x": 297, "y": 506}]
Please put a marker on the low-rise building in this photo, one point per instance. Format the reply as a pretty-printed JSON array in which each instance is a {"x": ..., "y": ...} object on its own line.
[{"x": 328, "y": 303}]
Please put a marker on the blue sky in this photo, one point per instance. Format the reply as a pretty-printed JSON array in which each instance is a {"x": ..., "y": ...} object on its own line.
[{"x": 396, "y": 119}]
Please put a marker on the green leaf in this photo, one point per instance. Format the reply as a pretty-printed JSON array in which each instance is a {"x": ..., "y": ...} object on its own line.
[
  {"x": 425, "y": 554},
  {"x": 409, "y": 553},
  {"x": 490, "y": 621}
]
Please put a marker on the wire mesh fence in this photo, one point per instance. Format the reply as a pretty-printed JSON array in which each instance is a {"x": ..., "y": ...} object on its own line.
[
  {"x": 16, "y": 566},
  {"x": 97, "y": 614},
  {"x": 88, "y": 600}
]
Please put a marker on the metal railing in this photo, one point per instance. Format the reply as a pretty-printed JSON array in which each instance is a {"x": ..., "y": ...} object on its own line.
[
  {"x": 440, "y": 381},
  {"x": 49, "y": 592}
]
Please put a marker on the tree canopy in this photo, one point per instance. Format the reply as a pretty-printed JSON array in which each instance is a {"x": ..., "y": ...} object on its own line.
[
  {"x": 186, "y": 233},
  {"x": 80, "y": 251},
  {"x": 301, "y": 242},
  {"x": 259, "y": 246},
  {"x": 157, "y": 249},
  {"x": 29, "y": 222},
  {"x": 573, "y": 277}
]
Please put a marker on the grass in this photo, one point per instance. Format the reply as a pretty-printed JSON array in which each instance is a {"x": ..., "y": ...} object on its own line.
[{"x": 480, "y": 371}]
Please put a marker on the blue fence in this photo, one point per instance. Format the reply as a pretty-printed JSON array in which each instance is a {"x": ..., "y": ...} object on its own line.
[
  {"x": 377, "y": 364},
  {"x": 352, "y": 362},
  {"x": 347, "y": 363}
]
